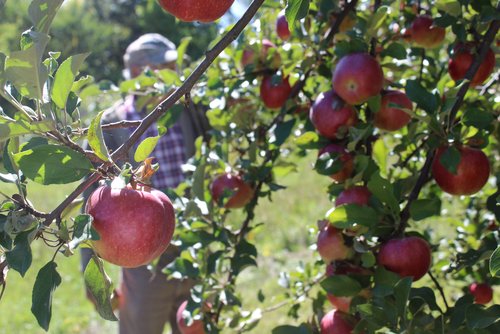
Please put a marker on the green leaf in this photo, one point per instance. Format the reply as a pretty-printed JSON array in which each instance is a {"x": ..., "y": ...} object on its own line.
[
  {"x": 52, "y": 164},
  {"x": 478, "y": 118},
  {"x": 427, "y": 295},
  {"x": 198, "y": 188},
  {"x": 450, "y": 159},
  {"x": 368, "y": 259},
  {"x": 296, "y": 10},
  {"x": 308, "y": 140},
  {"x": 171, "y": 117},
  {"x": 424, "y": 99},
  {"x": 401, "y": 293},
  {"x": 13, "y": 128},
  {"x": 242, "y": 262},
  {"x": 495, "y": 262},
  {"x": 145, "y": 148},
  {"x": 451, "y": 7},
  {"x": 65, "y": 77},
  {"x": 99, "y": 285},
  {"x": 395, "y": 50},
  {"x": 384, "y": 191},
  {"x": 25, "y": 70},
  {"x": 288, "y": 329},
  {"x": 376, "y": 20},
  {"x": 181, "y": 268},
  {"x": 423, "y": 208},
  {"x": 42, "y": 13},
  {"x": 385, "y": 281},
  {"x": 341, "y": 286},
  {"x": 329, "y": 163},
  {"x": 20, "y": 257},
  {"x": 47, "y": 280},
  {"x": 478, "y": 316},
  {"x": 350, "y": 215},
  {"x": 83, "y": 230},
  {"x": 459, "y": 311},
  {"x": 96, "y": 138},
  {"x": 181, "y": 51},
  {"x": 283, "y": 131},
  {"x": 374, "y": 103}
]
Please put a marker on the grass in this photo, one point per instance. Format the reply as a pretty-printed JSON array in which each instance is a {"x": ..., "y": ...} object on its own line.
[{"x": 282, "y": 241}]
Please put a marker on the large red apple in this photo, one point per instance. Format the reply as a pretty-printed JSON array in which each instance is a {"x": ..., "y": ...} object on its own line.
[
  {"x": 482, "y": 292},
  {"x": 462, "y": 59},
  {"x": 473, "y": 171},
  {"x": 330, "y": 243},
  {"x": 282, "y": 28},
  {"x": 392, "y": 118},
  {"x": 274, "y": 95},
  {"x": 135, "y": 225},
  {"x": 196, "y": 10},
  {"x": 337, "y": 322},
  {"x": 357, "y": 77},
  {"x": 425, "y": 34},
  {"x": 408, "y": 257},
  {"x": 344, "y": 303},
  {"x": 196, "y": 327},
  {"x": 359, "y": 195},
  {"x": 237, "y": 192},
  {"x": 346, "y": 158},
  {"x": 331, "y": 116}
]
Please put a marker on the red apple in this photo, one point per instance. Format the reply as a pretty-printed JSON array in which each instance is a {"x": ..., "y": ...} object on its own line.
[
  {"x": 392, "y": 118},
  {"x": 407, "y": 257},
  {"x": 357, "y": 77},
  {"x": 425, "y": 34},
  {"x": 482, "y": 292},
  {"x": 473, "y": 171},
  {"x": 196, "y": 10},
  {"x": 135, "y": 225},
  {"x": 359, "y": 195},
  {"x": 248, "y": 56},
  {"x": 337, "y": 322},
  {"x": 344, "y": 303},
  {"x": 240, "y": 193},
  {"x": 282, "y": 27},
  {"x": 462, "y": 59},
  {"x": 331, "y": 116},
  {"x": 274, "y": 95},
  {"x": 330, "y": 244},
  {"x": 196, "y": 327},
  {"x": 346, "y": 158}
]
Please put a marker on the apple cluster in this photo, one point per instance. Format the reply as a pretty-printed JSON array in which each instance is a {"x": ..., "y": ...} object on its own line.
[{"x": 357, "y": 78}]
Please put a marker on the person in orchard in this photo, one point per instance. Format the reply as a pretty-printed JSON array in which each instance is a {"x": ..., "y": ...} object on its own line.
[{"x": 148, "y": 300}]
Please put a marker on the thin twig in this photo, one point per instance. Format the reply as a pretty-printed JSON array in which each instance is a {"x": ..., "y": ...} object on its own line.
[
  {"x": 338, "y": 21},
  {"x": 471, "y": 72},
  {"x": 115, "y": 125},
  {"x": 440, "y": 289}
]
